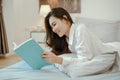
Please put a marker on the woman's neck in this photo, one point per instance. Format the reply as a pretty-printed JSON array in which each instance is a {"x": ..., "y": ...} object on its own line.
[{"x": 68, "y": 30}]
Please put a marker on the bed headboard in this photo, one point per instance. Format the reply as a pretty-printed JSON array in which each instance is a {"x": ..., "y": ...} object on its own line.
[{"x": 106, "y": 30}]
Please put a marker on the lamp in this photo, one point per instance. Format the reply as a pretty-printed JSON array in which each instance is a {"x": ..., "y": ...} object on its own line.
[{"x": 44, "y": 9}]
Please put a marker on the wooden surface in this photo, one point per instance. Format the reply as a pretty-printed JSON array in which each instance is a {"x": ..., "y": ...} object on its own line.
[{"x": 9, "y": 60}]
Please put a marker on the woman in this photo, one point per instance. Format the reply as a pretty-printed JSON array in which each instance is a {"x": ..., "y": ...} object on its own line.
[{"x": 75, "y": 50}]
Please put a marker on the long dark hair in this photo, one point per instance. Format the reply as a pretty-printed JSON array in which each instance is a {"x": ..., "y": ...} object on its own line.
[{"x": 58, "y": 44}]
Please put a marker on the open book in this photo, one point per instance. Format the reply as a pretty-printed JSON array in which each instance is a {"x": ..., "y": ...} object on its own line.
[{"x": 31, "y": 52}]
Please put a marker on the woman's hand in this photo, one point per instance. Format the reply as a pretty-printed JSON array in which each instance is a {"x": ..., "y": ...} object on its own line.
[{"x": 52, "y": 58}]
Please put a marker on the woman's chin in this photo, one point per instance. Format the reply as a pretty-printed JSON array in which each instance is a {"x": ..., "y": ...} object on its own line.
[{"x": 60, "y": 35}]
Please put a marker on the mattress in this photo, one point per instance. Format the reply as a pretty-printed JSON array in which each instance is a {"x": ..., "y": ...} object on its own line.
[{"x": 22, "y": 71}]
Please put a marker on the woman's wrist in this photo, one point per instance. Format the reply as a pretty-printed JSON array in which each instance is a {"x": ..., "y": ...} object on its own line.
[{"x": 59, "y": 60}]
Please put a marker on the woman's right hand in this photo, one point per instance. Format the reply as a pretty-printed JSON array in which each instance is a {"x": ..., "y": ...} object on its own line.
[{"x": 52, "y": 58}]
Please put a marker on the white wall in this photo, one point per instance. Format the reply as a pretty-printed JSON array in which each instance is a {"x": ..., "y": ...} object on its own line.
[
  {"x": 20, "y": 15},
  {"x": 101, "y": 9},
  {"x": 119, "y": 32},
  {"x": 26, "y": 15}
]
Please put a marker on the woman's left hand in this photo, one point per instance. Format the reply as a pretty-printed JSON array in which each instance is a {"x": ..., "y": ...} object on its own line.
[{"x": 52, "y": 58}]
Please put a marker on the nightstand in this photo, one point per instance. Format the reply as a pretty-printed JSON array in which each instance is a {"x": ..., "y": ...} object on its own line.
[{"x": 39, "y": 36}]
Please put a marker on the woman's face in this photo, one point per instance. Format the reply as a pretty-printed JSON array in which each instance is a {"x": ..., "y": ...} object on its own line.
[{"x": 59, "y": 26}]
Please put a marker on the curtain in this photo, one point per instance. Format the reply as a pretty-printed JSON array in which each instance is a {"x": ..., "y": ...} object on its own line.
[{"x": 3, "y": 37}]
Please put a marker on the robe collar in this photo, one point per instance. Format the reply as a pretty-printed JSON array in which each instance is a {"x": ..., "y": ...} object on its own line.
[{"x": 71, "y": 34}]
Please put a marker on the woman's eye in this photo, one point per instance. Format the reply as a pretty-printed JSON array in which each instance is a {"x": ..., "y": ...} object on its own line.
[{"x": 53, "y": 24}]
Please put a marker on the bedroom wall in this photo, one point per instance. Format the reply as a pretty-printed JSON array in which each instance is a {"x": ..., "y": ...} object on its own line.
[
  {"x": 26, "y": 15},
  {"x": 20, "y": 15},
  {"x": 101, "y": 9},
  {"x": 119, "y": 32}
]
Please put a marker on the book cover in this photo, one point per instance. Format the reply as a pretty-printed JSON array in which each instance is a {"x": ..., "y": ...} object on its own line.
[{"x": 31, "y": 52}]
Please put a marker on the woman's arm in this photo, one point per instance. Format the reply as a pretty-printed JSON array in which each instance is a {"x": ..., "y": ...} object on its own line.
[{"x": 81, "y": 46}]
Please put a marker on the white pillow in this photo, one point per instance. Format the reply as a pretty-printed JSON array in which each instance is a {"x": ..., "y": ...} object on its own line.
[{"x": 116, "y": 45}]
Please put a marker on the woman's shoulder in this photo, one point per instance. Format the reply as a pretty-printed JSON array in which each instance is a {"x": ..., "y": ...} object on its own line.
[{"x": 80, "y": 26}]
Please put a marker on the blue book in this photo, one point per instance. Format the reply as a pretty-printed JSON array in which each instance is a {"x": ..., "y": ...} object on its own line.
[{"x": 31, "y": 52}]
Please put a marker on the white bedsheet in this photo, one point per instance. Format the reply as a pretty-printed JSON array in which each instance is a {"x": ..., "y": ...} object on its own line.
[{"x": 21, "y": 71}]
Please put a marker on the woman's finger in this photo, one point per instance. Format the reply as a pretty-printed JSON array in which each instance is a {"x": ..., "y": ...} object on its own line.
[{"x": 44, "y": 55}]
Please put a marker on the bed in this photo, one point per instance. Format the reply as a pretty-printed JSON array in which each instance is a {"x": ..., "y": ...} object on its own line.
[{"x": 22, "y": 71}]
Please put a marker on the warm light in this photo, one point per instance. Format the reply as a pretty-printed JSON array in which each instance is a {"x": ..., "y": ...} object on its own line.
[{"x": 44, "y": 10}]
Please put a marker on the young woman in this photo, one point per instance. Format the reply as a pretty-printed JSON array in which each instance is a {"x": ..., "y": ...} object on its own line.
[{"x": 75, "y": 50}]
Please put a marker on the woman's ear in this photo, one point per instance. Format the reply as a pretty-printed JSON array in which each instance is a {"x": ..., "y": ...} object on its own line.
[
  {"x": 64, "y": 16},
  {"x": 65, "y": 19}
]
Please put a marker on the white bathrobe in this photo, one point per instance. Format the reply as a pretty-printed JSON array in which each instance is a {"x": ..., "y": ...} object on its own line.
[{"x": 89, "y": 55}]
